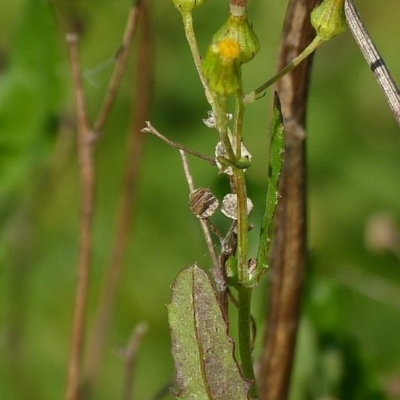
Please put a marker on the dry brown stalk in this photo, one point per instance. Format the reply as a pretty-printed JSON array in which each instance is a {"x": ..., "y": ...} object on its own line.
[
  {"x": 86, "y": 161},
  {"x": 289, "y": 252}
]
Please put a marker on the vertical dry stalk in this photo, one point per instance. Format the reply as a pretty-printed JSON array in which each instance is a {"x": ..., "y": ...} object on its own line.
[
  {"x": 85, "y": 154},
  {"x": 289, "y": 251},
  {"x": 125, "y": 216}
]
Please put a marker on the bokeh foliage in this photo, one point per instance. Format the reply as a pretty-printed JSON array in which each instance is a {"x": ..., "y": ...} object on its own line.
[{"x": 351, "y": 309}]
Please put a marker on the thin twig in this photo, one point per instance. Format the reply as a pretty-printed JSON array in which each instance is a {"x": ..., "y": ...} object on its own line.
[
  {"x": 150, "y": 129},
  {"x": 218, "y": 273},
  {"x": 259, "y": 92},
  {"x": 373, "y": 58},
  {"x": 130, "y": 356},
  {"x": 121, "y": 61},
  {"x": 85, "y": 153},
  {"x": 218, "y": 263},
  {"x": 191, "y": 38},
  {"x": 186, "y": 169},
  {"x": 204, "y": 226},
  {"x": 289, "y": 248},
  {"x": 125, "y": 215}
]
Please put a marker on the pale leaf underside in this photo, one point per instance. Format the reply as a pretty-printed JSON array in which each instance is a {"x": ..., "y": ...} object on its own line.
[{"x": 202, "y": 350}]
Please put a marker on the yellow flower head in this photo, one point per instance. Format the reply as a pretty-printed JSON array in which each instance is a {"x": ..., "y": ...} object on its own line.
[
  {"x": 221, "y": 67},
  {"x": 238, "y": 29},
  {"x": 229, "y": 49}
]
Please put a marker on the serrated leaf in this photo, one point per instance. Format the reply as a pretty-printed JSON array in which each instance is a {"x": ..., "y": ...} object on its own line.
[
  {"x": 202, "y": 349},
  {"x": 275, "y": 170}
]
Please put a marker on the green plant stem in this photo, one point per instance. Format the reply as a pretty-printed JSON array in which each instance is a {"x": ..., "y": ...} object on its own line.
[
  {"x": 244, "y": 298},
  {"x": 245, "y": 348},
  {"x": 238, "y": 126},
  {"x": 317, "y": 41},
  {"x": 244, "y": 293},
  {"x": 241, "y": 192},
  {"x": 242, "y": 224},
  {"x": 191, "y": 38},
  {"x": 220, "y": 112},
  {"x": 239, "y": 181}
]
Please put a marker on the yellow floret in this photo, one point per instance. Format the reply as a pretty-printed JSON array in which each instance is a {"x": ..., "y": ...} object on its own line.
[{"x": 229, "y": 49}]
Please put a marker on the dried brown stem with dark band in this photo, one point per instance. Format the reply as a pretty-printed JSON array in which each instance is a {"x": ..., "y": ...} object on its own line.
[
  {"x": 373, "y": 58},
  {"x": 289, "y": 250}
]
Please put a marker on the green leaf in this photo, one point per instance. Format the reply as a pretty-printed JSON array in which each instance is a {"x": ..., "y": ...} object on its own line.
[
  {"x": 202, "y": 349},
  {"x": 275, "y": 169}
]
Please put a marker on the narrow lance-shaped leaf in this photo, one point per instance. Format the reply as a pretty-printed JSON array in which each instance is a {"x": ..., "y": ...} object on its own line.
[
  {"x": 274, "y": 173},
  {"x": 202, "y": 349}
]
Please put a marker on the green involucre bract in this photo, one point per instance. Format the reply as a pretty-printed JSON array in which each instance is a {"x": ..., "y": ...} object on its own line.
[
  {"x": 239, "y": 29},
  {"x": 329, "y": 19},
  {"x": 221, "y": 67}
]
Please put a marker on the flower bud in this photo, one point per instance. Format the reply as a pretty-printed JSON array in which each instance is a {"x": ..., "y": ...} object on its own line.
[
  {"x": 221, "y": 67},
  {"x": 328, "y": 19},
  {"x": 239, "y": 29},
  {"x": 187, "y": 5}
]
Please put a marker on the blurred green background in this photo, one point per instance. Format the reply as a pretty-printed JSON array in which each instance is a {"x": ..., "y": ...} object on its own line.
[{"x": 349, "y": 338}]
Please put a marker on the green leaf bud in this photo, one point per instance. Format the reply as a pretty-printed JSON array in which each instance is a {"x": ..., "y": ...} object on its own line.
[
  {"x": 221, "y": 67},
  {"x": 240, "y": 30},
  {"x": 328, "y": 19},
  {"x": 187, "y": 5}
]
